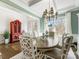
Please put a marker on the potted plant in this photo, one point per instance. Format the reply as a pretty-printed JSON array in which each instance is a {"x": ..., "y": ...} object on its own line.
[{"x": 6, "y": 36}]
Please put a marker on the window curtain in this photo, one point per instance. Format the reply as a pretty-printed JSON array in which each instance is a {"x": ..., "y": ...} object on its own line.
[
  {"x": 68, "y": 23},
  {"x": 78, "y": 35},
  {"x": 74, "y": 22}
]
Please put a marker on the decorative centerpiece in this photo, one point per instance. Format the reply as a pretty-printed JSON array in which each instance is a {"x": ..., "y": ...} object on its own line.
[{"x": 42, "y": 42}]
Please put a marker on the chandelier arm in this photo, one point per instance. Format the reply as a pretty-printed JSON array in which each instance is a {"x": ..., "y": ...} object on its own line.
[
  {"x": 49, "y": 4},
  {"x": 49, "y": 10},
  {"x": 50, "y": 13},
  {"x": 56, "y": 14},
  {"x": 54, "y": 3}
]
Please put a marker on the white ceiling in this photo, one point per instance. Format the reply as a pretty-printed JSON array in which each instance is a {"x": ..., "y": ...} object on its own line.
[
  {"x": 38, "y": 7},
  {"x": 59, "y": 5}
]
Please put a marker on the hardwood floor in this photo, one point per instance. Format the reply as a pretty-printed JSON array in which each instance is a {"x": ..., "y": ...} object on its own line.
[
  {"x": 12, "y": 49},
  {"x": 9, "y": 50}
]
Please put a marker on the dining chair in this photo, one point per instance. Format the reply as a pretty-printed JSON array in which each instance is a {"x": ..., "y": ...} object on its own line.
[
  {"x": 66, "y": 45},
  {"x": 30, "y": 50},
  {"x": 62, "y": 53}
]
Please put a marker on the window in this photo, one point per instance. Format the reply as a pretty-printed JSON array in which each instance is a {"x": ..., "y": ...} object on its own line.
[{"x": 58, "y": 24}]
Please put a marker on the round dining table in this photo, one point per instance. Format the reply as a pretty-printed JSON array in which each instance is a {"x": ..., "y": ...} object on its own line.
[{"x": 46, "y": 45}]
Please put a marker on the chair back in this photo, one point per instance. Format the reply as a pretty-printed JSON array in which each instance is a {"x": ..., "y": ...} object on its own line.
[
  {"x": 66, "y": 44},
  {"x": 29, "y": 50}
]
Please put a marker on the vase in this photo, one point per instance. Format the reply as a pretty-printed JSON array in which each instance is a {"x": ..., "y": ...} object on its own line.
[{"x": 6, "y": 41}]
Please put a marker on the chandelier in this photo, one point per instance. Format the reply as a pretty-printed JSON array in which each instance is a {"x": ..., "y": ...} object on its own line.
[{"x": 50, "y": 13}]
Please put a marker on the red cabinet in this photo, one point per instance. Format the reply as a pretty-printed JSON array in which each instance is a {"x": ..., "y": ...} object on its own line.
[{"x": 15, "y": 30}]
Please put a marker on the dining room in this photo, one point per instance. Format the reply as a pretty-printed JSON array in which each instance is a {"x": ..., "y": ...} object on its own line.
[{"x": 39, "y": 29}]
